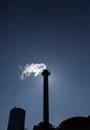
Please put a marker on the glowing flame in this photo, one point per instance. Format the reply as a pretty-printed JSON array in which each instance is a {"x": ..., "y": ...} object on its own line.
[{"x": 32, "y": 68}]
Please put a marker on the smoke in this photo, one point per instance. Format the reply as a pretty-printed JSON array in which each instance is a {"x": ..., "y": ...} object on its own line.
[{"x": 32, "y": 68}]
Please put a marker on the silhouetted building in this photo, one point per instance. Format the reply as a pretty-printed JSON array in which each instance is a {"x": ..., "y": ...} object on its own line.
[
  {"x": 42, "y": 126},
  {"x": 75, "y": 123},
  {"x": 16, "y": 119}
]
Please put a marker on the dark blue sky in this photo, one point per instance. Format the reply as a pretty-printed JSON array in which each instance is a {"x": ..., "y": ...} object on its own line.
[{"x": 56, "y": 33}]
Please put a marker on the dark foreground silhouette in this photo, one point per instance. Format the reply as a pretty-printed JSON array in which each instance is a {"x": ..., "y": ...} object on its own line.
[{"x": 17, "y": 122}]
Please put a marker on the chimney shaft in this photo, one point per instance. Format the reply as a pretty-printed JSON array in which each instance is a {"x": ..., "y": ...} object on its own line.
[{"x": 45, "y": 74}]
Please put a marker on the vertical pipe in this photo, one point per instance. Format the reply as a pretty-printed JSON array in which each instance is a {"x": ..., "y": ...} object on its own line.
[{"x": 45, "y": 74}]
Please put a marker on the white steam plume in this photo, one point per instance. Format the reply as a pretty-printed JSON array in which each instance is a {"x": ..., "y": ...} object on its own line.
[{"x": 32, "y": 68}]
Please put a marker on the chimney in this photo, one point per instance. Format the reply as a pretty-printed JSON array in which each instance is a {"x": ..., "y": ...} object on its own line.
[{"x": 45, "y": 74}]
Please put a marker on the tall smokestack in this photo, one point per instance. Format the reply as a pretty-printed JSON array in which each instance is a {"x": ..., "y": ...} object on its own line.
[{"x": 45, "y": 74}]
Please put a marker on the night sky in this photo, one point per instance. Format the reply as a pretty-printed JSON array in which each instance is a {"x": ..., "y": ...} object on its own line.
[{"x": 53, "y": 32}]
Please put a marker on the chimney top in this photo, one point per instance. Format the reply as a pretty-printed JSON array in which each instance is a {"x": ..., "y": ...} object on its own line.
[{"x": 45, "y": 72}]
